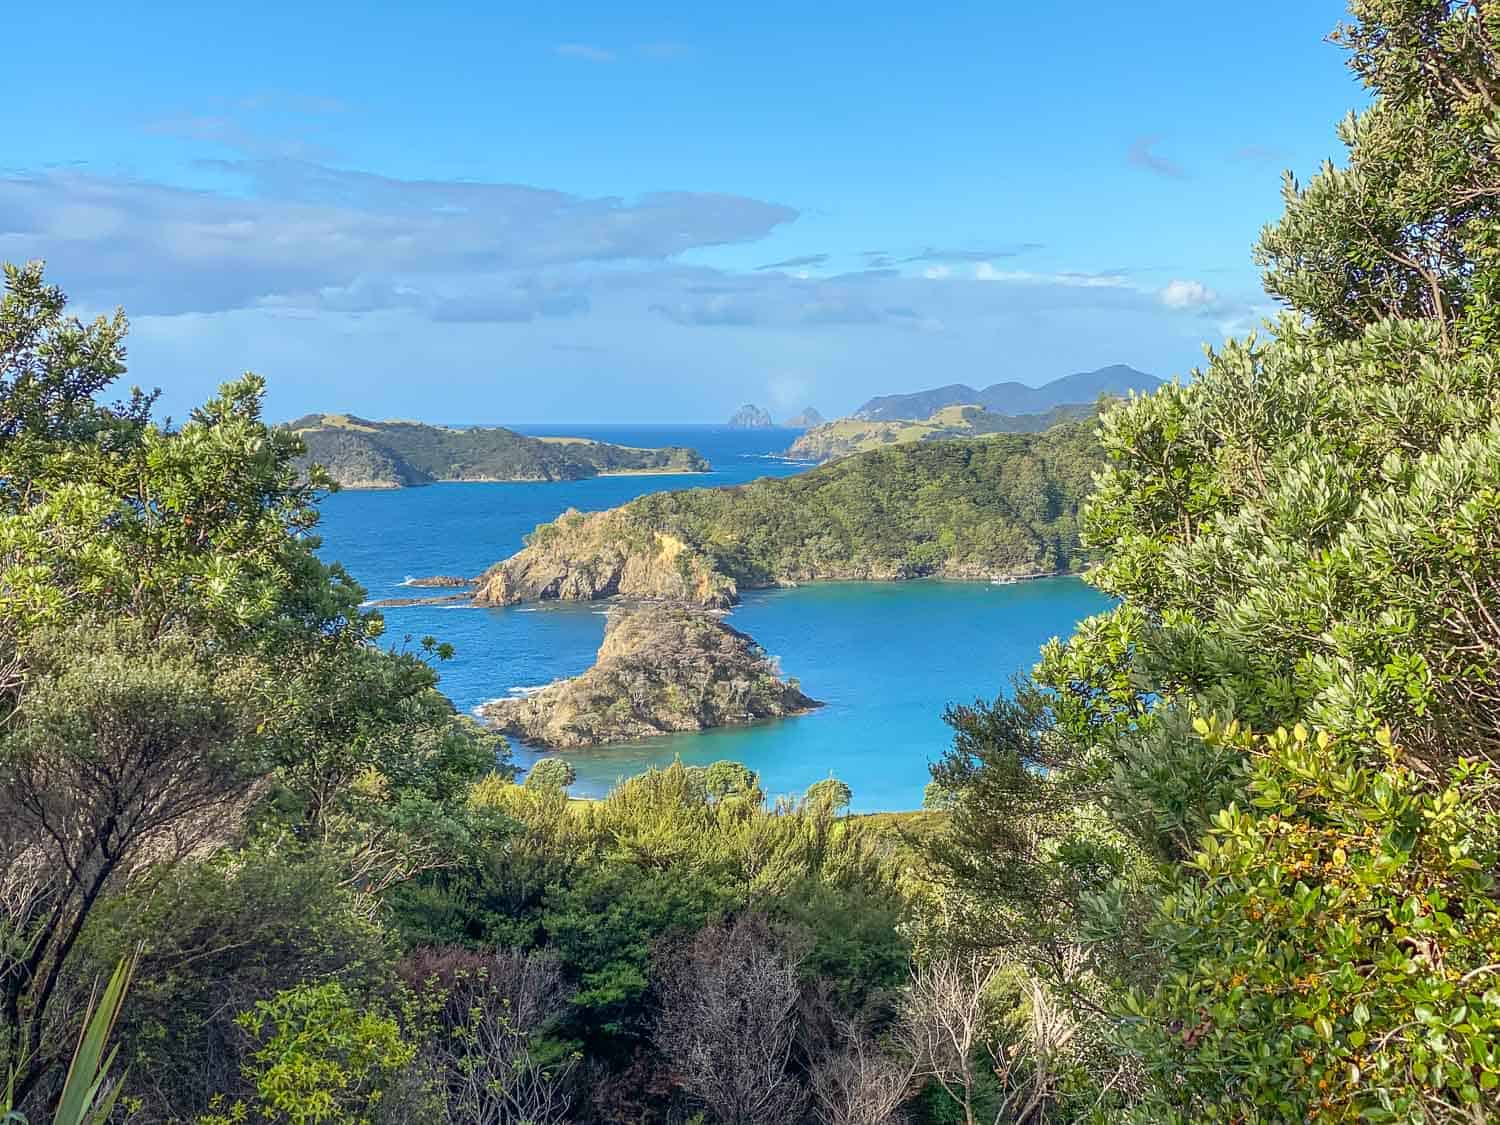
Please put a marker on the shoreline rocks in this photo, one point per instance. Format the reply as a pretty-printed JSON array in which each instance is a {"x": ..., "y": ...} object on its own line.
[{"x": 662, "y": 669}]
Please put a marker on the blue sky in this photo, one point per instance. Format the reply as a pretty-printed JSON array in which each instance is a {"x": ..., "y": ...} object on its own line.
[{"x": 654, "y": 212}]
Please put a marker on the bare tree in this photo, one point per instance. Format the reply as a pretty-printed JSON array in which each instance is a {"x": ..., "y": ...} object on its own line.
[
  {"x": 492, "y": 1009},
  {"x": 942, "y": 1023},
  {"x": 859, "y": 1083},
  {"x": 950, "y": 1024},
  {"x": 729, "y": 1019}
]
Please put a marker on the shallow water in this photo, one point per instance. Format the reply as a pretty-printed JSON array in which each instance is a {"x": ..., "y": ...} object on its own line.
[{"x": 886, "y": 658}]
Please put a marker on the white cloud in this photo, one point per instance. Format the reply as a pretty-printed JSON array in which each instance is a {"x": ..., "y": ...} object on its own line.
[
  {"x": 984, "y": 271},
  {"x": 936, "y": 273},
  {"x": 585, "y": 51},
  {"x": 1180, "y": 294}
]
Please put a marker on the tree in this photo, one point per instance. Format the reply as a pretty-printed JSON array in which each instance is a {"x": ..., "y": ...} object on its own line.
[
  {"x": 830, "y": 793},
  {"x": 125, "y": 754},
  {"x": 317, "y": 1058},
  {"x": 550, "y": 773},
  {"x": 729, "y": 1019},
  {"x": 52, "y": 365},
  {"x": 731, "y": 779},
  {"x": 172, "y": 647},
  {"x": 489, "y": 1014},
  {"x": 1302, "y": 534},
  {"x": 859, "y": 1083}
]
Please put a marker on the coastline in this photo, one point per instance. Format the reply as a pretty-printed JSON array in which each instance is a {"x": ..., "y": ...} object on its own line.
[{"x": 373, "y": 487}]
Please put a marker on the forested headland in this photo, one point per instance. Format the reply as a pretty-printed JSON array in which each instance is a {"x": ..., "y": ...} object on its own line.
[
  {"x": 1228, "y": 854},
  {"x": 1005, "y": 505},
  {"x": 358, "y": 453}
]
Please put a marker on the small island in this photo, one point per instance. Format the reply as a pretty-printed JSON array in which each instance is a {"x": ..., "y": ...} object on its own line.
[
  {"x": 751, "y": 417},
  {"x": 804, "y": 421},
  {"x": 359, "y": 453},
  {"x": 662, "y": 669}
]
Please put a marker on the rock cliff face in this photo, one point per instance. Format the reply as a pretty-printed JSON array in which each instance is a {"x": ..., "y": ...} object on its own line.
[
  {"x": 580, "y": 557},
  {"x": 662, "y": 669},
  {"x": 749, "y": 417}
]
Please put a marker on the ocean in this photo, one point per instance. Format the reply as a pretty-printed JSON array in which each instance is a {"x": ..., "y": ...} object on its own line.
[{"x": 886, "y": 658}]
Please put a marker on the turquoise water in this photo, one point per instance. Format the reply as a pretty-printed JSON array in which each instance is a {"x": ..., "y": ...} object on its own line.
[{"x": 885, "y": 657}]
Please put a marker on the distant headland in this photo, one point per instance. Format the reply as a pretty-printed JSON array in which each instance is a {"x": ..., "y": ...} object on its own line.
[{"x": 359, "y": 453}]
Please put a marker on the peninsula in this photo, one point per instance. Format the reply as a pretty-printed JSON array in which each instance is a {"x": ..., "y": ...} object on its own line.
[
  {"x": 358, "y": 453},
  {"x": 662, "y": 669},
  {"x": 831, "y": 440},
  {"x": 972, "y": 509}
]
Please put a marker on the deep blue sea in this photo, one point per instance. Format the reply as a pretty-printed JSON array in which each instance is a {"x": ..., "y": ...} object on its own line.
[{"x": 887, "y": 658}]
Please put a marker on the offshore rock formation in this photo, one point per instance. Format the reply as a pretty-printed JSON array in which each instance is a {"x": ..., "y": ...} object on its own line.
[
  {"x": 662, "y": 669},
  {"x": 749, "y": 417}
]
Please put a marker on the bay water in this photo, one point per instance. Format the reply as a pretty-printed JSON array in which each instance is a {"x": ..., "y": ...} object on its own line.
[{"x": 885, "y": 658}]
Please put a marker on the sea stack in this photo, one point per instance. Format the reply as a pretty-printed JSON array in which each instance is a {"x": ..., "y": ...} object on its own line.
[{"x": 750, "y": 417}]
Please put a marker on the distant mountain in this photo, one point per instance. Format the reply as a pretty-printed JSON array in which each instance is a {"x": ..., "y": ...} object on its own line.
[
  {"x": 359, "y": 453},
  {"x": 749, "y": 417},
  {"x": 1010, "y": 398},
  {"x": 804, "y": 421}
]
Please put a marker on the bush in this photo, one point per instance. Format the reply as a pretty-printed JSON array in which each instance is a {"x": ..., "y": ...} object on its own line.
[
  {"x": 550, "y": 773},
  {"x": 1334, "y": 950}
]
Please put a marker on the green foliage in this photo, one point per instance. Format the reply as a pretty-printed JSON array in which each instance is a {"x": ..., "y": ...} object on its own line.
[
  {"x": 731, "y": 779},
  {"x": 317, "y": 1058},
  {"x": 1332, "y": 953},
  {"x": 1397, "y": 232},
  {"x": 172, "y": 649},
  {"x": 550, "y": 773},
  {"x": 89, "y": 1091},
  {"x": 602, "y": 882},
  {"x": 830, "y": 793},
  {"x": 216, "y": 937},
  {"x": 956, "y": 508},
  {"x": 1303, "y": 536}
]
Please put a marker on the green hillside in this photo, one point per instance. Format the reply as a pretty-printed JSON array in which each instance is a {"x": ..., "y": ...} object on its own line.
[{"x": 359, "y": 453}]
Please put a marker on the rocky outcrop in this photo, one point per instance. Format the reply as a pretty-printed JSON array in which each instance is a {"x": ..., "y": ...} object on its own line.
[
  {"x": 662, "y": 669},
  {"x": 440, "y": 580},
  {"x": 394, "y": 603},
  {"x": 750, "y": 417},
  {"x": 805, "y": 421},
  {"x": 580, "y": 557}
]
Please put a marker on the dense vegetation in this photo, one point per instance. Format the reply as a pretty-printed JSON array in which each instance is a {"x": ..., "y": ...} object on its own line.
[
  {"x": 1246, "y": 825},
  {"x": 1230, "y": 854},
  {"x": 358, "y": 453},
  {"x": 1007, "y": 504}
]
